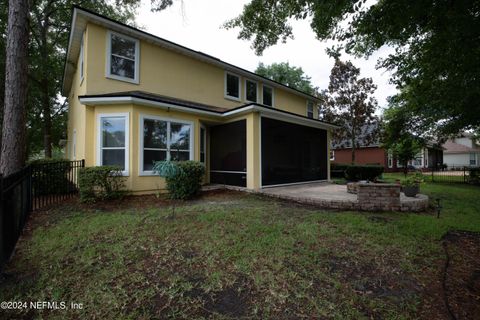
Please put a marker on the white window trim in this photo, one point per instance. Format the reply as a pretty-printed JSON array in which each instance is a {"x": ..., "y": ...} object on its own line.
[
  {"x": 140, "y": 137},
  {"x": 332, "y": 155},
  {"x": 245, "y": 91},
  {"x": 108, "y": 74},
  {"x": 313, "y": 108},
  {"x": 389, "y": 159},
  {"x": 273, "y": 96},
  {"x": 99, "y": 159},
  {"x": 239, "y": 98},
  {"x": 82, "y": 59},
  {"x": 475, "y": 159}
]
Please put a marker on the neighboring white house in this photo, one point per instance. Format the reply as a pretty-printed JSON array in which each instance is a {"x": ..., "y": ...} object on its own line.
[{"x": 462, "y": 151}]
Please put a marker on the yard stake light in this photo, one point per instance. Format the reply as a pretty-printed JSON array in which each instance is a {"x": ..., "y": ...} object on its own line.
[{"x": 439, "y": 208}]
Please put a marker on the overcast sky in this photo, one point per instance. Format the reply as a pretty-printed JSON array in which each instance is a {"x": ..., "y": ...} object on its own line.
[{"x": 198, "y": 26}]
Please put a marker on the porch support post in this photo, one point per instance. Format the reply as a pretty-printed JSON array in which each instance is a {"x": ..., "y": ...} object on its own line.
[
  {"x": 329, "y": 142},
  {"x": 253, "y": 151}
]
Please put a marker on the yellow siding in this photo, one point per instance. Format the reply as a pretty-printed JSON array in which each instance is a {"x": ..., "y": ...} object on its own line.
[
  {"x": 76, "y": 113},
  {"x": 170, "y": 73}
]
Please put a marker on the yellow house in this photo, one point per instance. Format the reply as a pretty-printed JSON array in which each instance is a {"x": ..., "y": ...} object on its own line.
[{"x": 135, "y": 98}]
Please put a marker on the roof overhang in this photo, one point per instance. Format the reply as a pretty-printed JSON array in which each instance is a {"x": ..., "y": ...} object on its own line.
[
  {"x": 245, "y": 109},
  {"x": 80, "y": 18}
]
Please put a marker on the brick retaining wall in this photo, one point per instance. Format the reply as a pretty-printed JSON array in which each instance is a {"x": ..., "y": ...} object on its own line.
[{"x": 379, "y": 197}]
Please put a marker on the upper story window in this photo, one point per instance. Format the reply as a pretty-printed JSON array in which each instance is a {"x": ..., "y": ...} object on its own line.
[
  {"x": 113, "y": 141},
  {"x": 310, "y": 109},
  {"x": 267, "y": 96},
  {"x": 250, "y": 90},
  {"x": 82, "y": 54},
  {"x": 232, "y": 86},
  {"x": 122, "y": 57}
]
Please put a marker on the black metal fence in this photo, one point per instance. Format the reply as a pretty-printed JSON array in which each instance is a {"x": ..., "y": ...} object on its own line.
[
  {"x": 454, "y": 174},
  {"x": 35, "y": 186}
]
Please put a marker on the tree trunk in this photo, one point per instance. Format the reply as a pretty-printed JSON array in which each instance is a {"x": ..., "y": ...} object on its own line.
[
  {"x": 45, "y": 89},
  {"x": 13, "y": 133}
]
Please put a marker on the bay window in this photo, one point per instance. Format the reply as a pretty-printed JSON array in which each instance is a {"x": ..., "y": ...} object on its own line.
[
  {"x": 164, "y": 139},
  {"x": 113, "y": 141}
]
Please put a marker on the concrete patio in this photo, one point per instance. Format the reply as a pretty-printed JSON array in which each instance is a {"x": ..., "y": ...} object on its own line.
[{"x": 334, "y": 196}]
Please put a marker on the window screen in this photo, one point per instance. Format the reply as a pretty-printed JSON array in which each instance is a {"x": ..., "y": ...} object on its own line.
[{"x": 292, "y": 153}]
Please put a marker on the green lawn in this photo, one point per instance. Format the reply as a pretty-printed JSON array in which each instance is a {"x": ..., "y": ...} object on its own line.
[{"x": 230, "y": 255}]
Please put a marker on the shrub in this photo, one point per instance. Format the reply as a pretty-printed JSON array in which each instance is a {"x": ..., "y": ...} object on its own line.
[
  {"x": 366, "y": 172},
  {"x": 50, "y": 176},
  {"x": 186, "y": 181},
  {"x": 337, "y": 170},
  {"x": 474, "y": 176},
  {"x": 104, "y": 182}
]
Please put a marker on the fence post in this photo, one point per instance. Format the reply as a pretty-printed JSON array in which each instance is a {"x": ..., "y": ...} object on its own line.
[
  {"x": 30, "y": 191},
  {"x": 433, "y": 174},
  {"x": 464, "y": 177}
]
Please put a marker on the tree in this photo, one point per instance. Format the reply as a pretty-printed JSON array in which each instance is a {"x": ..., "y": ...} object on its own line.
[
  {"x": 50, "y": 22},
  {"x": 13, "y": 133},
  {"x": 436, "y": 47},
  {"x": 49, "y": 25},
  {"x": 351, "y": 105},
  {"x": 286, "y": 74},
  {"x": 398, "y": 137}
]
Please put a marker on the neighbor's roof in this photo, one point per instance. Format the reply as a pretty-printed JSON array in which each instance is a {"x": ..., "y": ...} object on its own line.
[
  {"x": 160, "y": 101},
  {"x": 81, "y": 16},
  {"x": 363, "y": 140},
  {"x": 453, "y": 147}
]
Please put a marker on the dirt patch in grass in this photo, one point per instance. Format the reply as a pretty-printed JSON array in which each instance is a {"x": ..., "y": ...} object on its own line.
[
  {"x": 231, "y": 302},
  {"x": 452, "y": 291},
  {"x": 462, "y": 274}
]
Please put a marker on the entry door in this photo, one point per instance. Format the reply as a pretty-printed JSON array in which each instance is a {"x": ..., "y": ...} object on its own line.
[{"x": 228, "y": 153}]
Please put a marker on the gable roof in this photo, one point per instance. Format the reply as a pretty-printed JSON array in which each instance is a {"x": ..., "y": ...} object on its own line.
[
  {"x": 160, "y": 101},
  {"x": 362, "y": 141},
  {"x": 453, "y": 147},
  {"x": 81, "y": 16}
]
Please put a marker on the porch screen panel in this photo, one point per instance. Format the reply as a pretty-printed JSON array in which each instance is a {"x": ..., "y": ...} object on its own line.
[
  {"x": 228, "y": 153},
  {"x": 292, "y": 153}
]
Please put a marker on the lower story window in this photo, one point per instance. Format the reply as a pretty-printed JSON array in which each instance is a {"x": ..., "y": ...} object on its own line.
[
  {"x": 473, "y": 159},
  {"x": 113, "y": 141},
  {"x": 164, "y": 139},
  {"x": 390, "y": 160}
]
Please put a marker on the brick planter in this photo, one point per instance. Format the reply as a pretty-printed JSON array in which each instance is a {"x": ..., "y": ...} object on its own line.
[{"x": 379, "y": 196}]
